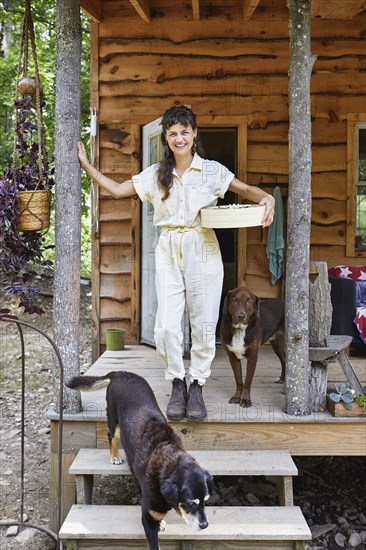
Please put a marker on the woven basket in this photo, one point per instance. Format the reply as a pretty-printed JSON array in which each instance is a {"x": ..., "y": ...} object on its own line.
[{"x": 34, "y": 210}]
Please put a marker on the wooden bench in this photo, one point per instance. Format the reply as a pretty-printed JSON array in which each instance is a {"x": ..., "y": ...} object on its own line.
[
  {"x": 279, "y": 464},
  {"x": 90, "y": 527}
]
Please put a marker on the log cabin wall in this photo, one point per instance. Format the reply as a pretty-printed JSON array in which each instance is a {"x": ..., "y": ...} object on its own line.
[{"x": 222, "y": 64}]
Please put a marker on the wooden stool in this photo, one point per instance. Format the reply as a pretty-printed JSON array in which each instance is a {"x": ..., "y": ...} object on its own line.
[{"x": 320, "y": 357}]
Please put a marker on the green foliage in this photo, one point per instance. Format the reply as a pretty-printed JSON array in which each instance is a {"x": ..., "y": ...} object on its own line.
[
  {"x": 361, "y": 401},
  {"x": 11, "y": 15},
  {"x": 343, "y": 394},
  {"x": 44, "y": 17}
]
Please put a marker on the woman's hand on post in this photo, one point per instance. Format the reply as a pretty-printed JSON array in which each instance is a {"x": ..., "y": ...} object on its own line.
[
  {"x": 269, "y": 203},
  {"x": 117, "y": 190},
  {"x": 83, "y": 158}
]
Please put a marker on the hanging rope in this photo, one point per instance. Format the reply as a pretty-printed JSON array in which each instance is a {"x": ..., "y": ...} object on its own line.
[{"x": 22, "y": 73}]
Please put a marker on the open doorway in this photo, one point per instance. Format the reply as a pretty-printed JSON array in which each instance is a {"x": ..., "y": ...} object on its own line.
[{"x": 220, "y": 144}]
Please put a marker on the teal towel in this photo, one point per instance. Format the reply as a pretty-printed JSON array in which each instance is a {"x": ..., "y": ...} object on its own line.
[{"x": 276, "y": 243}]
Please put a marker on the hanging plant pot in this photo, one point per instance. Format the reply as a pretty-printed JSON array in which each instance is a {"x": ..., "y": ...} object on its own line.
[
  {"x": 34, "y": 210},
  {"x": 27, "y": 85}
]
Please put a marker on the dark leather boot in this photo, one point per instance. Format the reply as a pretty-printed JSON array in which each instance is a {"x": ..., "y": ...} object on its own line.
[
  {"x": 176, "y": 409},
  {"x": 196, "y": 409}
]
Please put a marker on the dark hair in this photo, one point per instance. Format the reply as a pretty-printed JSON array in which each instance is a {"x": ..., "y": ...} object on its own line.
[{"x": 175, "y": 115}]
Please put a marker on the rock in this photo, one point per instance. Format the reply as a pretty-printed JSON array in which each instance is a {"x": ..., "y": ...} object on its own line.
[
  {"x": 343, "y": 522},
  {"x": 362, "y": 519},
  {"x": 44, "y": 431},
  {"x": 25, "y": 536},
  {"x": 340, "y": 539},
  {"x": 214, "y": 499},
  {"x": 10, "y": 434},
  {"x": 319, "y": 530},
  {"x": 252, "y": 498},
  {"x": 227, "y": 493},
  {"x": 12, "y": 531},
  {"x": 354, "y": 540}
]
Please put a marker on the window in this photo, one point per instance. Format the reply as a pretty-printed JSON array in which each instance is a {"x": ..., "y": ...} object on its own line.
[
  {"x": 360, "y": 232},
  {"x": 356, "y": 185}
]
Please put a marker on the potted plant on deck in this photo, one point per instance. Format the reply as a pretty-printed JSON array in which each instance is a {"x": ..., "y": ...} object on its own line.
[
  {"x": 343, "y": 401},
  {"x": 22, "y": 242}
]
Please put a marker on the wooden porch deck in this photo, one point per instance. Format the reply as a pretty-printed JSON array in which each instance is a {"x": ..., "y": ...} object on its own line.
[{"x": 264, "y": 425}]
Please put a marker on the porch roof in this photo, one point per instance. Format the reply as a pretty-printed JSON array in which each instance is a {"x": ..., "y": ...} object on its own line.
[{"x": 152, "y": 10}]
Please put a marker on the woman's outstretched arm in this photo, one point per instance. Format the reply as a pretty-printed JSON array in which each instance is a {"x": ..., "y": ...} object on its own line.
[{"x": 117, "y": 190}]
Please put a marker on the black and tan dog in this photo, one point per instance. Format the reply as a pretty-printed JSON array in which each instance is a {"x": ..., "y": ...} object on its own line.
[
  {"x": 167, "y": 476},
  {"x": 246, "y": 324}
]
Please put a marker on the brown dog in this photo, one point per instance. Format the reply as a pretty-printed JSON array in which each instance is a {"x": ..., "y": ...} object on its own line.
[{"x": 246, "y": 324}]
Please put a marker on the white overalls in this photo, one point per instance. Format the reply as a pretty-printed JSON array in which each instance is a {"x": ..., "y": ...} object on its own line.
[{"x": 189, "y": 268}]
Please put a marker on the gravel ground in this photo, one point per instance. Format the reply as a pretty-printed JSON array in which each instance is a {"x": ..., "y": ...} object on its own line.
[{"x": 330, "y": 490}]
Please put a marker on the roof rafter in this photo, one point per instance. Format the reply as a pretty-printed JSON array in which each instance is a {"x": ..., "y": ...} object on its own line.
[
  {"x": 249, "y": 7},
  {"x": 92, "y": 8},
  {"x": 196, "y": 9},
  {"x": 143, "y": 9}
]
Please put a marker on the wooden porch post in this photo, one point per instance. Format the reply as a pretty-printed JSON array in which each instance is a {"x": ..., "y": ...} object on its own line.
[
  {"x": 66, "y": 301},
  {"x": 299, "y": 210}
]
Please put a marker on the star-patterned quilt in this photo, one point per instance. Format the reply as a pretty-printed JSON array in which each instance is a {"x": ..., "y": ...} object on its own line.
[{"x": 358, "y": 274}]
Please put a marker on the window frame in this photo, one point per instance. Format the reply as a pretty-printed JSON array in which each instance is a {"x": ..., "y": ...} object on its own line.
[{"x": 354, "y": 121}]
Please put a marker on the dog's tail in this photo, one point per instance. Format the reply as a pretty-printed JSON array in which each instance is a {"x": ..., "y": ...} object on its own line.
[{"x": 88, "y": 383}]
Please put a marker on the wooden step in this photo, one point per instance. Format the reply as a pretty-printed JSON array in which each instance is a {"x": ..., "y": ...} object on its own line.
[
  {"x": 122, "y": 525},
  {"x": 90, "y": 462},
  {"x": 217, "y": 462}
]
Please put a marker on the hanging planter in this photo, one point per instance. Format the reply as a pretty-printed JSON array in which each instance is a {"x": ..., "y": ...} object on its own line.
[
  {"x": 25, "y": 198},
  {"x": 27, "y": 85},
  {"x": 34, "y": 210},
  {"x": 31, "y": 175},
  {"x": 30, "y": 171},
  {"x": 34, "y": 201}
]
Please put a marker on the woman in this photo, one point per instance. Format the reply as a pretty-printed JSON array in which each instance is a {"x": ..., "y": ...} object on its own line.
[{"x": 189, "y": 269}]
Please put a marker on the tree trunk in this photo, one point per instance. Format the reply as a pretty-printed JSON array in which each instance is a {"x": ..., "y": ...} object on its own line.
[
  {"x": 299, "y": 210},
  {"x": 66, "y": 301},
  {"x": 7, "y": 31}
]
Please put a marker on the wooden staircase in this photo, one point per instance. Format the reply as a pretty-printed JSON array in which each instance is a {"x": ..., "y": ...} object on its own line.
[{"x": 103, "y": 527}]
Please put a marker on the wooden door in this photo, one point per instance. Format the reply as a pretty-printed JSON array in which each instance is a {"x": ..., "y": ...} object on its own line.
[{"x": 151, "y": 153}]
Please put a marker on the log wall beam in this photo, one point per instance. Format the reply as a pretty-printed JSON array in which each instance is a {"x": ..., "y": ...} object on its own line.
[{"x": 143, "y": 9}]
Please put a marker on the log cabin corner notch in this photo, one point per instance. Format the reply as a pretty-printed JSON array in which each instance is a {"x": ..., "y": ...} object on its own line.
[{"x": 224, "y": 59}]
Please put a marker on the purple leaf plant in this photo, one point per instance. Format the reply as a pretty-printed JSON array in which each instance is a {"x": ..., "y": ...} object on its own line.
[{"x": 21, "y": 252}]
